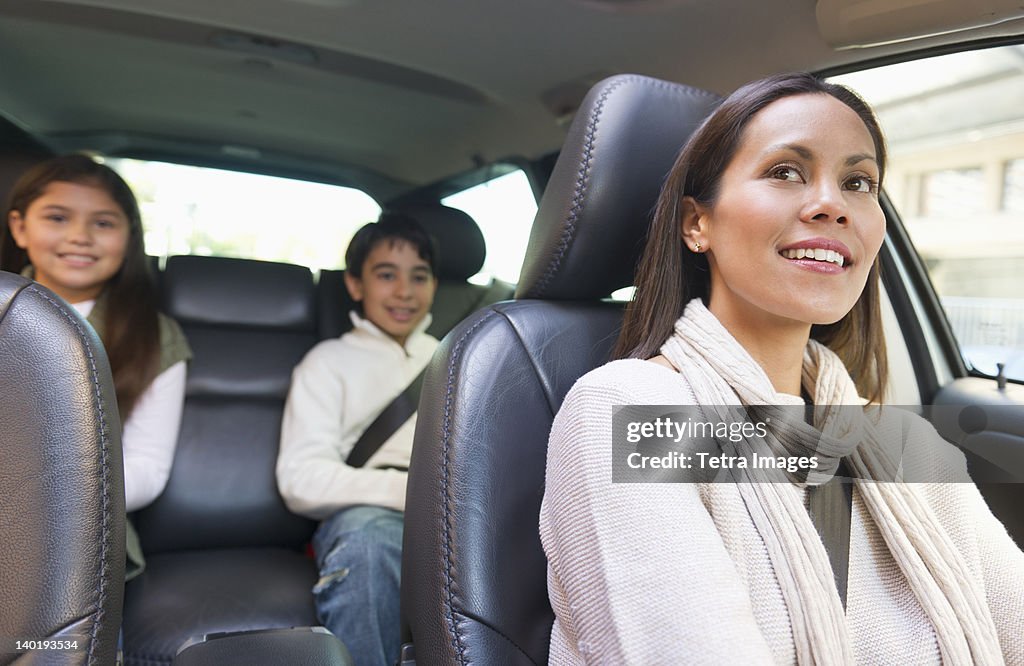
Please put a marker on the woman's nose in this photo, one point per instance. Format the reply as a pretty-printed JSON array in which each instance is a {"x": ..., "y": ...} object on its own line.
[{"x": 825, "y": 204}]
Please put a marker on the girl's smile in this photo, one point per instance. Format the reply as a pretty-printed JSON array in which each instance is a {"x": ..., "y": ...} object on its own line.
[{"x": 75, "y": 236}]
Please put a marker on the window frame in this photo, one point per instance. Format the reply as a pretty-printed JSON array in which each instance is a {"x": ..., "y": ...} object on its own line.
[{"x": 934, "y": 350}]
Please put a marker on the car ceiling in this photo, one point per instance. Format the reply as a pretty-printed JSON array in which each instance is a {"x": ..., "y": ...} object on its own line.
[{"x": 384, "y": 94}]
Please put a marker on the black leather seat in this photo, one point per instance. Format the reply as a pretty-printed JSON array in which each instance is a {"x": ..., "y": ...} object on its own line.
[
  {"x": 462, "y": 254},
  {"x": 474, "y": 574},
  {"x": 62, "y": 499},
  {"x": 223, "y": 553}
]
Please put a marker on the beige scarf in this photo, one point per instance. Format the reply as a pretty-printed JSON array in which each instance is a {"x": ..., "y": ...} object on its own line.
[{"x": 721, "y": 372}]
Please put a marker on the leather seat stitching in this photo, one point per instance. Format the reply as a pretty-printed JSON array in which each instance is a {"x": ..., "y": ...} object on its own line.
[
  {"x": 487, "y": 625},
  {"x": 445, "y": 451},
  {"x": 104, "y": 463},
  {"x": 583, "y": 173}
]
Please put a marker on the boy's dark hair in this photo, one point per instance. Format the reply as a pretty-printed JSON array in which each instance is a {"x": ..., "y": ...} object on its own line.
[{"x": 391, "y": 226}]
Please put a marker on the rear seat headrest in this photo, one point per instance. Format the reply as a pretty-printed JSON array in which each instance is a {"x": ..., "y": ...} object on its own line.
[
  {"x": 241, "y": 292},
  {"x": 459, "y": 239}
]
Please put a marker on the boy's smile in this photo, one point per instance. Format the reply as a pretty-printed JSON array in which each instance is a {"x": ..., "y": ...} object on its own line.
[{"x": 396, "y": 288}]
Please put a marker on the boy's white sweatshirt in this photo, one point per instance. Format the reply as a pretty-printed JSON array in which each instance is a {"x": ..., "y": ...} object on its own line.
[{"x": 337, "y": 391}]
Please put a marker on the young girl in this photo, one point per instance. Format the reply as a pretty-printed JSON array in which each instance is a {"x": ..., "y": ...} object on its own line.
[
  {"x": 759, "y": 287},
  {"x": 73, "y": 225}
]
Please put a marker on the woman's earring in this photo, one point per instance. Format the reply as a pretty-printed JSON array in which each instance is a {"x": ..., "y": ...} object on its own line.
[{"x": 696, "y": 247}]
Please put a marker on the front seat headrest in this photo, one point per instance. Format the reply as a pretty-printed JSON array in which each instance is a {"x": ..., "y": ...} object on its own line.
[{"x": 598, "y": 204}]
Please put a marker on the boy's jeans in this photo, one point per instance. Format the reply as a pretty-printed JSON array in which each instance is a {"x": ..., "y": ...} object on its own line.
[{"x": 359, "y": 554}]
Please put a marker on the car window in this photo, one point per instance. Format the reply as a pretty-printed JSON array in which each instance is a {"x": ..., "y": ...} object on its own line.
[
  {"x": 504, "y": 208},
  {"x": 955, "y": 129},
  {"x": 196, "y": 210}
]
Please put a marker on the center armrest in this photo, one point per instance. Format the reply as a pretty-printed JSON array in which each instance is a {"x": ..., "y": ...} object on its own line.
[{"x": 297, "y": 645}]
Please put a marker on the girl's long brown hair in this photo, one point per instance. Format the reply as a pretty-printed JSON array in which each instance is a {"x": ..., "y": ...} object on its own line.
[
  {"x": 669, "y": 276},
  {"x": 131, "y": 329}
]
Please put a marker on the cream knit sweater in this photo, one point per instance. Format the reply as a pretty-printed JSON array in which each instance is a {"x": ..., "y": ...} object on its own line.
[
  {"x": 337, "y": 391},
  {"x": 678, "y": 574}
]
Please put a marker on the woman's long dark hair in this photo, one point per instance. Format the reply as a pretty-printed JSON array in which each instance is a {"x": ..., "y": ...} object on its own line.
[
  {"x": 131, "y": 329},
  {"x": 669, "y": 276}
]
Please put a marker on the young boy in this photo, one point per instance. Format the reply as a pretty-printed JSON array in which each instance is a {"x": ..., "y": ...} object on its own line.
[{"x": 337, "y": 391}]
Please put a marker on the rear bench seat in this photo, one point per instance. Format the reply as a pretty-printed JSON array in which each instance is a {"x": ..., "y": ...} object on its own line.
[{"x": 223, "y": 553}]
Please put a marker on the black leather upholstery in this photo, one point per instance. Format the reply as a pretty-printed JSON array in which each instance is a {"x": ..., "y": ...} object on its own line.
[
  {"x": 456, "y": 300},
  {"x": 462, "y": 253},
  {"x": 593, "y": 217},
  {"x": 459, "y": 239},
  {"x": 248, "y": 323},
  {"x": 239, "y": 293},
  {"x": 62, "y": 500},
  {"x": 332, "y": 304},
  {"x": 309, "y": 646},
  {"x": 223, "y": 552},
  {"x": 194, "y": 592},
  {"x": 473, "y": 571}
]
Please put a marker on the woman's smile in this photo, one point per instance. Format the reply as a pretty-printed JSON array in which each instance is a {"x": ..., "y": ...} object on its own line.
[{"x": 823, "y": 255}]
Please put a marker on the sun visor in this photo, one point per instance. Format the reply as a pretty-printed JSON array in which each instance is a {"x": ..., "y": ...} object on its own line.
[{"x": 848, "y": 24}]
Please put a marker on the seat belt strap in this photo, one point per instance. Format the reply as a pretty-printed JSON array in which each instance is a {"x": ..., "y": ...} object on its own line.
[
  {"x": 387, "y": 423},
  {"x": 831, "y": 507}
]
